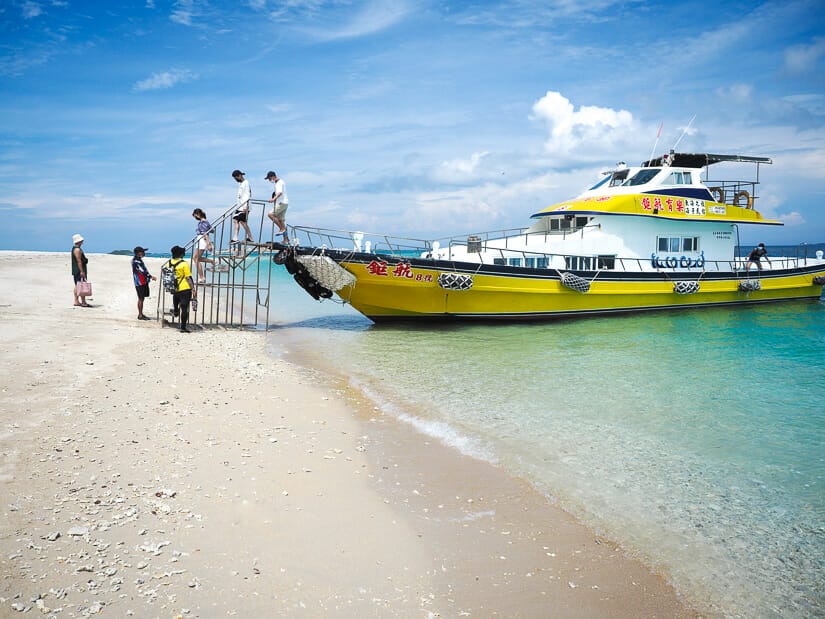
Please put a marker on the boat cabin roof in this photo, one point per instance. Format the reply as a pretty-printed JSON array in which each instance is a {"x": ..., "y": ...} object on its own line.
[{"x": 699, "y": 160}]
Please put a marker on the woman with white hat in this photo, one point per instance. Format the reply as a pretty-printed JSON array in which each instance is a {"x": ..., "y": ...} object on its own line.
[{"x": 79, "y": 272}]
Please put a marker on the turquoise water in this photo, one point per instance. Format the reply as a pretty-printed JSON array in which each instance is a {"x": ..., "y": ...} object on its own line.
[{"x": 695, "y": 439}]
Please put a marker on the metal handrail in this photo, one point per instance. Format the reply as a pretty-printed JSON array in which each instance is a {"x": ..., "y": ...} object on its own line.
[{"x": 343, "y": 240}]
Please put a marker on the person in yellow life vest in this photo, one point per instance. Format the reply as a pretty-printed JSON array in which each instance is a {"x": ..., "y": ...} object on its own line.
[{"x": 186, "y": 287}]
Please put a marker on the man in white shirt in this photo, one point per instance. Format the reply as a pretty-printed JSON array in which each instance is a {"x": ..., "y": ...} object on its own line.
[
  {"x": 242, "y": 207},
  {"x": 280, "y": 203}
]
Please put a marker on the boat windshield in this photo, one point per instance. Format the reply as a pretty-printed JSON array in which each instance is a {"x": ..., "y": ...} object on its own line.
[
  {"x": 641, "y": 177},
  {"x": 601, "y": 182}
]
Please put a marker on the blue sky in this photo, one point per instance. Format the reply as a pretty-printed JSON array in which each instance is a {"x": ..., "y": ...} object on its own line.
[{"x": 421, "y": 118}]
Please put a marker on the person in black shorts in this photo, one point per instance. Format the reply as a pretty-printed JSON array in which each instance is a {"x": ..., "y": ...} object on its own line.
[
  {"x": 142, "y": 278},
  {"x": 756, "y": 256}
]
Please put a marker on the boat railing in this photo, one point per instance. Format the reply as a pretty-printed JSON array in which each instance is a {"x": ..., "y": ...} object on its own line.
[
  {"x": 370, "y": 242},
  {"x": 734, "y": 193},
  {"x": 478, "y": 247}
]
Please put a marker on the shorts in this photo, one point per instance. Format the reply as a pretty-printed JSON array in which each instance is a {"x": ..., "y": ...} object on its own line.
[
  {"x": 202, "y": 242},
  {"x": 142, "y": 291},
  {"x": 279, "y": 211},
  {"x": 240, "y": 216}
]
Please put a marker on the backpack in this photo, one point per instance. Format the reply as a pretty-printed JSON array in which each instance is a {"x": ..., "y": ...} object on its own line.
[{"x": 169, "y": 277}]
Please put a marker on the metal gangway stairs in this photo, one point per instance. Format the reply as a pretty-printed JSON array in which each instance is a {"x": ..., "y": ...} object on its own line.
[{"x": 235, "y": 290}]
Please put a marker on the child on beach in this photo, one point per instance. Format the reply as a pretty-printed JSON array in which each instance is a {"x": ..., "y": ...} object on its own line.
[
  {"x": 203, "y": 244},
  {"x": 142, "y": 278}
]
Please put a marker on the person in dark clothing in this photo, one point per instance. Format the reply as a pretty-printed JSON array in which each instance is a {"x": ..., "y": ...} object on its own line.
[
  {"x": 142, "y": 278},
  {"x": 756, "y": 256},
  {"x": 186, "y": 287},
  {"x": 79, "y": 269}
]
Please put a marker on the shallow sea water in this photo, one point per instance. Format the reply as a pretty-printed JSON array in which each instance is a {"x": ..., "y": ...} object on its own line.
[{"x": 696, "y": 438}]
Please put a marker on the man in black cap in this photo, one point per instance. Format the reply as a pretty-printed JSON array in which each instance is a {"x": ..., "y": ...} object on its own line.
[
  {"x": 142, "y": 278},
  {"x": 756, "y": 256}
]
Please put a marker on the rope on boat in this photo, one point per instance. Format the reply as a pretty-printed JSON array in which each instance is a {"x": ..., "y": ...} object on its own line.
[
  {"x": 300, "y": 273},
  {"x": 455, "y": 281},
  {"x": 574, "y": 282},
  {"x": 685, "y": 287},
  {"x": 327, "y": 272},
  {"x": 750, "y": 285}
]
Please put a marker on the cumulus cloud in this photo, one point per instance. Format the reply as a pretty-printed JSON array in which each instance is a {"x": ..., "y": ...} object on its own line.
[
  {"x": 166, "y": 79},
  {"x": 584, "y": 129},
  {"x": 804, "y": 58}
]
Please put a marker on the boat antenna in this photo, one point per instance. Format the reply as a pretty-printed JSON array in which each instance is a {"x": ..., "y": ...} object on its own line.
[
  {"x": 683, "y": 133},
  {"x": 658, "y": 135}
]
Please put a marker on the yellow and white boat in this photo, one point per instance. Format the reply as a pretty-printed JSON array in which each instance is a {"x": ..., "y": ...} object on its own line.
[{"x": 652, "y": 237}]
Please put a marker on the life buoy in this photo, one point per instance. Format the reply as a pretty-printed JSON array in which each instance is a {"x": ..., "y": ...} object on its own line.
[
  {"x": 747, "y": 196},
  {"x": 718, "y": 194}
]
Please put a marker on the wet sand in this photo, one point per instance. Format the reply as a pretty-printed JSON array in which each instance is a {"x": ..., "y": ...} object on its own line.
[{"x": 151, "y": 473}]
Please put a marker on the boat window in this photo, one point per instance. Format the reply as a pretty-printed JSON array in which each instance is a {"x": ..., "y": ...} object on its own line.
[
  {"x": 679, "y": 178},
  {"x": 541, "y": 263},
  {"x": 514, "y": 262},
  {"x": 601, "y": 182},
  {"x": 565, "y": 224},
  {"x": 690, "y": 243},
  {"x": 676, "y": 244},
  {"x": 641, "y": 177},
  {"x": 581, "y": 222},
  {"x": 618, "y": 177},
  {"x": 607, "y": 262},
  {"x": 580, "y": 263},
  {"x": 499, "y": 261},
  {"x": 554, "y": 224}
]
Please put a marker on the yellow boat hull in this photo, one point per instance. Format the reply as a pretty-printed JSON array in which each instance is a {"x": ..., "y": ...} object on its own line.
[{"x": 417, "y": 294}]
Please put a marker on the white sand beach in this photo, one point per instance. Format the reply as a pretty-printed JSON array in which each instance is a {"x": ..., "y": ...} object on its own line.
[{"x": 151, "y": 473}]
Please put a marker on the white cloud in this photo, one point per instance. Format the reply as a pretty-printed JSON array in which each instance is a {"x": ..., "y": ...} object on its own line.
[
  {"x": 804, "y": 58},
  {"x": 461, "y": 170},
  {"x": 741, "y": 93},
  {"x": 792, "y": 219},
  {"x": 183, "y": 12},
  {"x": 372, "y": 17},
  {"x": 31, "y": 9},
  {"x": 166, "y": 79},
  {"x": 588, "y": 128}
]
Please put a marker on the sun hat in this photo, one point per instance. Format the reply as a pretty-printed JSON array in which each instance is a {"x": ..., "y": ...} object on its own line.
[
  {"x": 77, "y": 238},
  {"x": 139, "y": 249}
]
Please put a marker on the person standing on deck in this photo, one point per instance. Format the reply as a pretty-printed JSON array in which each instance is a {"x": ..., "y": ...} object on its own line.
[
  {"x": 756, "y": 256},
  {"x": 242, "y": 206}
]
